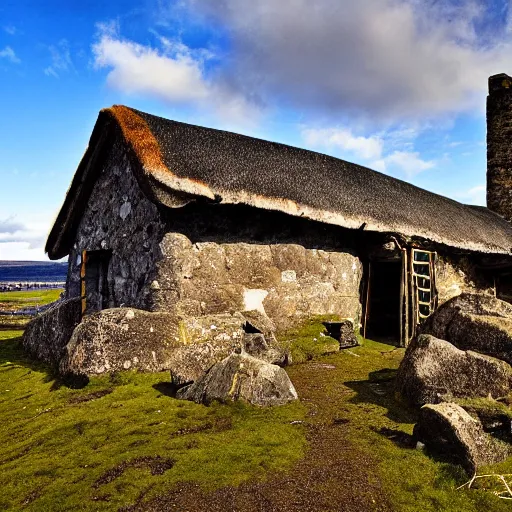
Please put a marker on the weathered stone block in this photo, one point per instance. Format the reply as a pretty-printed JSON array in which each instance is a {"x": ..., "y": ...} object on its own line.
[
  {"x": 289, "y": 257},
  {"x": 256, "y": 321},
  {"x": 242, "y": 377},
  {"x": 317, "y": 262},
  {"x": 121, "y": 339},
  {"x": 204, "y": 341},
  {"x": 449, "y": 430},
  {"x": 212, "y": 262},
  {"x": 345, "y": 273},
  {"x": 213, "y": 297},
  {"x": 46, "y": 336},
  {"x": 475, "y": 322},
  {"x": 433, "y": 370},
  {"x": 251, "y": 265},
  {"x": 256, "y": 345}
]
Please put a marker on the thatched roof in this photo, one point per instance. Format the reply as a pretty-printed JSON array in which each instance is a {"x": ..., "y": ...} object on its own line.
[{"x": 191, "y": 161}]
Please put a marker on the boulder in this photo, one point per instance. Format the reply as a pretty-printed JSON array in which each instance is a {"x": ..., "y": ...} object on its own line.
[
  {"x": 121, "y": 339},
  {"x": 343, "y": 331},
  {"x": 204, "y": 341},
  {"x": 242, "y": 377},
  {"x": 477, "y": 322},
  {"x": 447, "y": 429},
  {"x": 46, "y": 336},
  {"x": 433, "y": 370},
  {"x": 256, "y": 345}
]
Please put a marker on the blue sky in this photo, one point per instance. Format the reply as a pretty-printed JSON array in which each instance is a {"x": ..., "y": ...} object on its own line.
[{"x": 396, "y": 85}]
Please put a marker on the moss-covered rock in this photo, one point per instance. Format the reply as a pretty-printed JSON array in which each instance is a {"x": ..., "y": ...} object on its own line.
[
  {"x": 121, "y": 339},
  {"x": 449, "y": 430},
  {"x": 434, "y": 370},
  {"x": 47, "y": 335},
  {"x": 242, "y": 377}
]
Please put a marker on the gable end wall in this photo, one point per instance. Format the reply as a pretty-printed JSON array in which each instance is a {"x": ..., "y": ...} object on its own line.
[{"x": 121, "y": 218}]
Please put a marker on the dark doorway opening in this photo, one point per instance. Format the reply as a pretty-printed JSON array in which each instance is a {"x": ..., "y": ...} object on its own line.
[
  {"x": 504, "y": 286},
  {"x": 96, "y": 283},
  {"x": 383, "y": 302}
]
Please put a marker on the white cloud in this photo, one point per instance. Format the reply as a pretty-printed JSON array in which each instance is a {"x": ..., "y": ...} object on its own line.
[
  {"x": 408, "y": 162},
  {"x": 474, "y": 195},
  {"x": 140, "y": 69},
  {"x": 363, "y": 147},
  {"x": 377, "y": 151},
  {"x": 21, "y": 251},
  {"x": 10, "y": 225},
  {"x": 10, "y": 29},
  {"x": 173, "y": 73},
  {"x": 9, "y": 54},
  {"x": 387, "y": 59},
  {"x": 23, "y": 240},
  {"x": 61, "y": 59}
]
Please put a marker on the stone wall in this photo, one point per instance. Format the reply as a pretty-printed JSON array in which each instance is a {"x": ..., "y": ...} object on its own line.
[
  {"x": 286, "y": 281},
  {"x": 456, "y": 275},
  {"x": 224, "y": 259},
  {"x": 208, "y": 258},
  {"x": 119, "y": 217}
]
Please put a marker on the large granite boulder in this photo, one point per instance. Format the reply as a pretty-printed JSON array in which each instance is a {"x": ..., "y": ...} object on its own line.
[
  {"x": 474, "y": 322},
  {"x": 447, "y": 429},
  {"x": 204, "y": 341},
  {"x": 242, "y": 377},
  {"x": 434, "y": 370},
  {"x": 46, "y": 337},
  {"x": 121, "y": 339}
]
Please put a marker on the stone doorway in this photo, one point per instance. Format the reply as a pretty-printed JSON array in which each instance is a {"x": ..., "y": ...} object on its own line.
[
  {"x": 95, "y": 289},
  {"x": 382, "y": 315}
]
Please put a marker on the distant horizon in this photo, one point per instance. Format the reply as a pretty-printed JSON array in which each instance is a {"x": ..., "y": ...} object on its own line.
[{"x": 39, "y": 262}]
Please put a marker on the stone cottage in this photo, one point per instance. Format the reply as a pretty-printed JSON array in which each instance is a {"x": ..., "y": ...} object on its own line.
[{"x": 181, "y": 220}]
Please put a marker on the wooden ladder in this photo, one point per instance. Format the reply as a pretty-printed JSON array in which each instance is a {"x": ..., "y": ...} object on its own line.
[{"x": 423, "y": 276}]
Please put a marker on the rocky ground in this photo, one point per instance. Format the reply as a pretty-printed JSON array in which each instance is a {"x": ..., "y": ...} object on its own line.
[
  {"x": 335, "y": 474},
  {"x": 122, "y": 442}
]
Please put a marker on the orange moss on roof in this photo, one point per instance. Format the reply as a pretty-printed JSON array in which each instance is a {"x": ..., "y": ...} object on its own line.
[{"x": 139, "y": 136}]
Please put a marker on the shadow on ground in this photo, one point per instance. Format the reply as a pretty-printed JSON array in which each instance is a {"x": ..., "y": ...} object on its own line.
[{"x": 12, "y": 353}]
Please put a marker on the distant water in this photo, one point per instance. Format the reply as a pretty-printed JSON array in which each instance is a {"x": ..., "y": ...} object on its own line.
[{"x": 32, "y": 271}]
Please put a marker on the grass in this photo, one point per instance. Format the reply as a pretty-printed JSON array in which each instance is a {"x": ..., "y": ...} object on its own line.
[
  {"x": 70, "y": 449},
  {"x": 25, "y": 299},
  {"x": 308, "y": 341},
  {"x": 359, "y": 391},
  {"x": 13, "y": 301},
  {"x": 122, "y": 438}
]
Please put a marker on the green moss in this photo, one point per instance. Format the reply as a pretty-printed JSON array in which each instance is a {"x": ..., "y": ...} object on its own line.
[
  {"x": 91, "y": 448},
  {"x": 56, "y": 442},
  {"x": 358, "y": 393},
  {"x": 308, "y": 340},
  {"x": 484, "y": 407}
]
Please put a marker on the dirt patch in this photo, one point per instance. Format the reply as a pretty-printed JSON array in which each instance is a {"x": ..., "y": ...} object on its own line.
[
  {"x": 157, "y": 465},
  {"x": 333, "y": 476},
  {"x": 31, "y": 496},
  {"x": 219, "y": 425},
  {"x": 91, "y": 396}
]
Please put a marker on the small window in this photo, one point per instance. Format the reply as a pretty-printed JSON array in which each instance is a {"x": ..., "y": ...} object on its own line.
[{"x": 95, "y": 291}]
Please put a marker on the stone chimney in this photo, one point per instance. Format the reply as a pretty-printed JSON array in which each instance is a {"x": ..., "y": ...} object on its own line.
[{"x": 499, "y": 145}]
